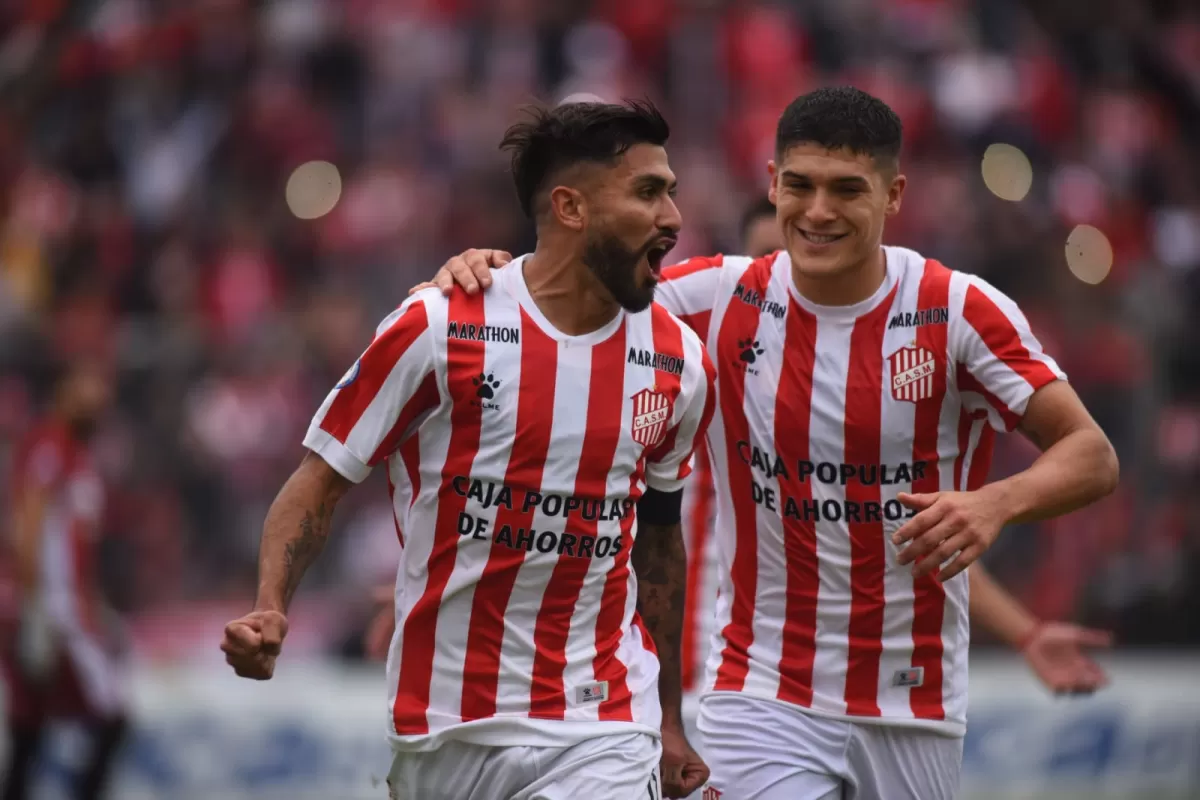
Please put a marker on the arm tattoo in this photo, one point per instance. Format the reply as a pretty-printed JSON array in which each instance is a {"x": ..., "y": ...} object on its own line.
[
  {"x": 302, "y": 551},
  {"x": 660, "y": 561}
]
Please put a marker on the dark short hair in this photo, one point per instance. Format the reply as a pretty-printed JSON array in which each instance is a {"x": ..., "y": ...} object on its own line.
[
  {"x": 841, "y": 118},
  {"x": 552, "y": 139},
  {"x": 762, "y": 207}
]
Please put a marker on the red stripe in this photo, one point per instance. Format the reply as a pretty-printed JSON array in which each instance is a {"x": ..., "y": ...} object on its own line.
[
  {"x": 698, "y": 322},
  {"x": 668, "y": 340},
  {"x": 969, "y": 383},
  {"x": 864, "y": 411},
  {"x": 1002, "y": 338},
  {"x": 531, "y": 442},
  {"x": 373, "y": 369},
  {"x": 425, "y": 399},
  {"x": 464, "y": 360},
  {"x": 697, "y": 533},
  {"x": 793, "y": 411},
  {"x": 604, "y": 405},
  {"x": 929, "y": 596},
  {"x": 606, "y": 665},
  {"x": 740, "y": 322},
  {"x": 692, "y": 266}
]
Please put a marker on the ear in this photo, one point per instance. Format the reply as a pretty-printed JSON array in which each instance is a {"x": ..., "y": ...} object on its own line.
[
  {"x": 568, "y": 207},
  {"x": 773, "y": 191},
  {"x": 895, "y": 195}
]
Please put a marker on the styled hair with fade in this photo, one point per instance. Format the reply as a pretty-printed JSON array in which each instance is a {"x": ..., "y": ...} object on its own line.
[
  {"x": 842, "y": 118},
  {"x": 552, "y": 139}
]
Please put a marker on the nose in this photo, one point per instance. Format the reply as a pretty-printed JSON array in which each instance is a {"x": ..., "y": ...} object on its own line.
[
  {"x": 669, "y": 218},
  {"x": 820, "y": 211}
]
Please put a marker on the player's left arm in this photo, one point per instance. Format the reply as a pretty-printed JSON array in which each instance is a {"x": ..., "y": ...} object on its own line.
[
  {"x": 1024, "y": 389},
  {"x": 660, "y": 562}
]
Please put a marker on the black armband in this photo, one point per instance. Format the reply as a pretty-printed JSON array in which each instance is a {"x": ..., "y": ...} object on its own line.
[{"x": 660, "y": 508}]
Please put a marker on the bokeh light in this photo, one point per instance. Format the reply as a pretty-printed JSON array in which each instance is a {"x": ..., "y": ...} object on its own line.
[
  {"x": 1007, "y": 172},
  {"x": 1089, "y": 254},
  {"x": 314, "y": 189}
]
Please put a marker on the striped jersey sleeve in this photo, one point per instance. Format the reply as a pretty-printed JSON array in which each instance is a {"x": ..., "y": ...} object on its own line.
[
  {"x": 382, "y": 398},
  {"x": 671, "y": 462},
  {"x": 689, "y": 290},
  {"x": 999, "y": 359}
]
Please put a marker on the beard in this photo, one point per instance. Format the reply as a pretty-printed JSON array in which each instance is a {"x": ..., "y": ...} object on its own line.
[{"x": 615, "y": 266}]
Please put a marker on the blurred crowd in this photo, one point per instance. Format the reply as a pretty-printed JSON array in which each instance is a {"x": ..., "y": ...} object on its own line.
[{"x": 145, "y": 147}]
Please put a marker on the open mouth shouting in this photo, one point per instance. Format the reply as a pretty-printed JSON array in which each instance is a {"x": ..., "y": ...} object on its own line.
[{"x": 657, "y": 252}]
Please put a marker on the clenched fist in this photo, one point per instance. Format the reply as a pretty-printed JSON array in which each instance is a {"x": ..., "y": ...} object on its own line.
[{"x": 252, "y": 643}]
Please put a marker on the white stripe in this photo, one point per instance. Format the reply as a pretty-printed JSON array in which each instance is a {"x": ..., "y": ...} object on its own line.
[
  {"x": 828, "y": 421},
  {"x": 897, "y": 430}
]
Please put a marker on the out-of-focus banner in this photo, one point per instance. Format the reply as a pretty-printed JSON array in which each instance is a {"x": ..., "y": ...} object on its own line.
[{"x": 315, "y": 731}]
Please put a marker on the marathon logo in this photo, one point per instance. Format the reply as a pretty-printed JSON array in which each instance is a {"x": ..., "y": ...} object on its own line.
[
  {"x": 482, "y": 333},
  {"x": 915, "y": 319},
  {"x": 545, "y": 542},
  {"x": 751, "y": 297},
  {"x": 647, "y": 358},
  {"x": 828, "y": 472},
  {"x": 499, "y": 495}
]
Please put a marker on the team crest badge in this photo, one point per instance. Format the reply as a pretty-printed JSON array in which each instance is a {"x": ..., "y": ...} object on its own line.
[
  {"x": 913, "y": 371},
  {"x": 651, "y": 411}
]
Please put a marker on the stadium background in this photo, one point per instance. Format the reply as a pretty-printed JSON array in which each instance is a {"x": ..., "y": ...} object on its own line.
[{"x": 220, "y": 198}]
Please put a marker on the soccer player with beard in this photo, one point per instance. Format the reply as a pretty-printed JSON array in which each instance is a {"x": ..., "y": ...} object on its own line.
[
  {"x": 536, "y": 440},
  {"x": 860, "y": 388}
]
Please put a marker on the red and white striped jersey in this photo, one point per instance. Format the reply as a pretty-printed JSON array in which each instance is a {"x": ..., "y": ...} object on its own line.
[
  {"x": 516, "y": 456},
  {"x": 52, "y": 461},
  {"x": 826, "y": 414}
]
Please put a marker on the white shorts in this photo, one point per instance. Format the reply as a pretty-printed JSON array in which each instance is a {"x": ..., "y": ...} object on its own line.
[
  {"x": 614, "y": 767},
  {"x": 763, "y": 750}
]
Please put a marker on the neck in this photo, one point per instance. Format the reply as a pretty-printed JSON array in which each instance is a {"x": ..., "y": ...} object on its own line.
[
  {"x": 848, "y": 286},
  {"x": 566, "y": 291}
]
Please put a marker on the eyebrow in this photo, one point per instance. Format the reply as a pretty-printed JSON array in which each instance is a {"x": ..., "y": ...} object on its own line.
[
  {"x": 850, "y": 181},
  {"x": 657, "y": 181}
]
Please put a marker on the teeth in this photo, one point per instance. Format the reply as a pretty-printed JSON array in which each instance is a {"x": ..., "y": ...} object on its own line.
[{"x": 819, "y": 239}]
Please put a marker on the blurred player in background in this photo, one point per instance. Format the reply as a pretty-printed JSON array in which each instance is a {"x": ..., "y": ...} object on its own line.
[
  {"x": 860, "y": 388},
  {"x": 537, "y": 439},
  {"x": 64, "y": 659}
]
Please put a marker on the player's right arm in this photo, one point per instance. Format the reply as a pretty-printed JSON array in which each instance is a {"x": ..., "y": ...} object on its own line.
[
  {"x": 378, "y": 403},
  {"x": 1055, "y": 651},
  {"x": 688, "y": 289}
]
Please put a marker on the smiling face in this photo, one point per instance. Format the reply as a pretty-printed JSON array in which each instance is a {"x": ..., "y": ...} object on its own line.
[{"x": 831, "y": 206}]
